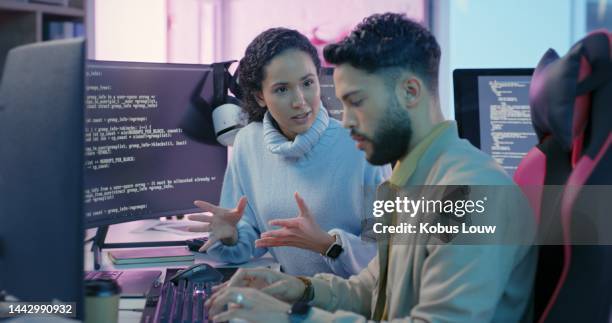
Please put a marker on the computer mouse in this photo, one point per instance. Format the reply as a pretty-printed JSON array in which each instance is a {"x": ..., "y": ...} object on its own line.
[
  {"x": 196, "y": 244},
  {"x": 198, "y": 273}
]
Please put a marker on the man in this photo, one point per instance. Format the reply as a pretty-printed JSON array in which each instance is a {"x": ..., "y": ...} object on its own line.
[{"x": 386, "y": 76}]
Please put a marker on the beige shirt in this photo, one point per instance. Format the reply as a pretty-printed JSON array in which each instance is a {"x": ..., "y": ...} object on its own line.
[{"x": 434, "y": 282}]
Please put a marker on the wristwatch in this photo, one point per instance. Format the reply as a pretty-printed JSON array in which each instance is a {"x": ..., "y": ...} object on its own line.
[
  {"x": 335, "y": 249},
  {"x": 298, "y": 312},
  {"x": 308, "y": 294}
]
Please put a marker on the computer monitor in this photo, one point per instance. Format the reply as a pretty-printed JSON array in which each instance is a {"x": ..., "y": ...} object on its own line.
[
  {"x": 328, "y": 93},
  {"x": 41, "y": 173},
  {"x": 138, "y": 162},
  {"x": 492, "y": 112}
]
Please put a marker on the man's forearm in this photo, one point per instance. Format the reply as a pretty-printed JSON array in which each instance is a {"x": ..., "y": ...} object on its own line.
[{"x": 334, "y": 293}]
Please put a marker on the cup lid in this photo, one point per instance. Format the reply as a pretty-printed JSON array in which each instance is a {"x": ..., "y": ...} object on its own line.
[{"x": 101, "y": 287}]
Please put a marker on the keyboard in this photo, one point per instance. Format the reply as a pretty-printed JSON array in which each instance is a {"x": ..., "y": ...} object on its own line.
[{"x": 182, "y": 302}]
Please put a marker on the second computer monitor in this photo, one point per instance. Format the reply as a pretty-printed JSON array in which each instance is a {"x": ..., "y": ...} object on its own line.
[
  {"x": 492, "y": 112},
  {"x": 41, "y": 175},
  {"x": 138, "y": 162},
  {"x": 328, "y": 93}
]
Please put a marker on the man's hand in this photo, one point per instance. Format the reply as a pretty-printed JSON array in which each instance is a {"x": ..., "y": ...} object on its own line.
[
  {"x": 248, "y": 304},
  {"x": 220, "y": 222},
  {"x": 281, "y": 286},
  {"x": 301, "y": 232}
]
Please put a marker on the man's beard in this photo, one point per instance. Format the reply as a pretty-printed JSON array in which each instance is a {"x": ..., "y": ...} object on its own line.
[{"x": 392, "y": 135}]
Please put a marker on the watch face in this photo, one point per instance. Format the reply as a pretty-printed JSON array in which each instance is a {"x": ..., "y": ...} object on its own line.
[{"x": 335, "y": 251}]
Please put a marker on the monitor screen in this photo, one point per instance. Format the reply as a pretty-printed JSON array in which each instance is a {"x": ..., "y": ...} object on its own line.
[
  {"x": 328, "y": 93},
  {"x": 138, "y": 162},
  {"x": 492, "y": 112}
]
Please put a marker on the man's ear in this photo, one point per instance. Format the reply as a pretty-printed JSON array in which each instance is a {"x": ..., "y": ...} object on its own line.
[
  {"x": 411, "y": 91},
  {"x": 259, "y": 98}
]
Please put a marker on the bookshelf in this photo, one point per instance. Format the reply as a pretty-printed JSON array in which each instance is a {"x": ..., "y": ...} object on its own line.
[{"x": 23, "y": 22}]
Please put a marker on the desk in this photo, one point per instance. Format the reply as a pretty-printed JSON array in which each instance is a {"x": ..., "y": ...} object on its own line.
[{"x": 132, "y": 232}]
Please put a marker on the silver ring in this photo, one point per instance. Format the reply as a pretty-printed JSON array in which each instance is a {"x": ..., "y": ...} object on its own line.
[{"x": 239, "y": 299}]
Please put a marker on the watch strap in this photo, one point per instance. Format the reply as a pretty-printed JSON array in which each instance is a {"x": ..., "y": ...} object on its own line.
[
  {"x": 308, "y": 294},
  {"x": 298, "y": 312},
  {"x": 335, "y": 249}
]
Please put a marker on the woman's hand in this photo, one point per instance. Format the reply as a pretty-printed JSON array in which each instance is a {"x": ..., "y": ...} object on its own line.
[
  {"x": 220, "y": 222},
  {"x": 301, "y": 232}
]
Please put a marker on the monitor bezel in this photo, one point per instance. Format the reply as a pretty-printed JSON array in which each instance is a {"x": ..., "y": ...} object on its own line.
[{"x": 146, "y": 64}]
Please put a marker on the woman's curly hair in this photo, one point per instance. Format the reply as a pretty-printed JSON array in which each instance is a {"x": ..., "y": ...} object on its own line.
[{"x": 258, "y": 55}]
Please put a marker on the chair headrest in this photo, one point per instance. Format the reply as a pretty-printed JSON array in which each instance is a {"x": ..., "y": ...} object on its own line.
[{"x": 559, "y": 95}]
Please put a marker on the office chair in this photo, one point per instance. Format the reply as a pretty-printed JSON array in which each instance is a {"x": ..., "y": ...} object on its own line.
[{"x": 571, "y": 110}]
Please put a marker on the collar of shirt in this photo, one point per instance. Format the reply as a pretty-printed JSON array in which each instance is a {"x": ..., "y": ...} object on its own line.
[{"x": 406, "y": 166}]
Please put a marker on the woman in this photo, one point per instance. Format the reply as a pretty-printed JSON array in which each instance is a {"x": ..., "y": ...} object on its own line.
[{"x": 290, "y": 145}]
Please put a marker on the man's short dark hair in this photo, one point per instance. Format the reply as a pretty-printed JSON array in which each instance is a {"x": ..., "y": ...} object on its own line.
[{"x": 389, "y": 41}]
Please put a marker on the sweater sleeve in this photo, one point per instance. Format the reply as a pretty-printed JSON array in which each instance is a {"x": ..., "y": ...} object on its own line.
[
  {"x": 247, "y": 227},
  {"x": 357, "y": 252}
]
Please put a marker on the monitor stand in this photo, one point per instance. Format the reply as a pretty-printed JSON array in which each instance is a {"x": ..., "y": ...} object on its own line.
[{"x": 99, "y": 244}]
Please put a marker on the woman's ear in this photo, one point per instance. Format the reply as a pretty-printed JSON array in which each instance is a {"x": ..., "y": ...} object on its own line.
[{"x": 259, "y": 98}]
